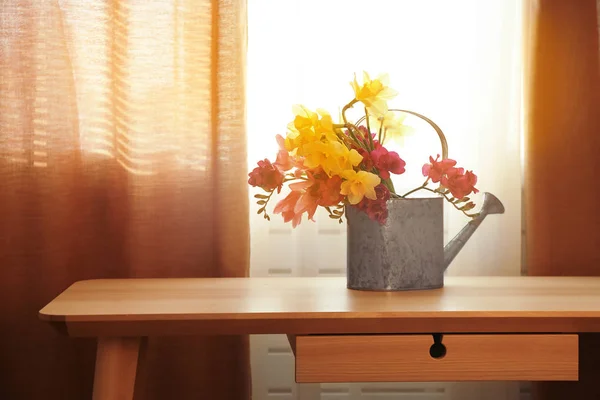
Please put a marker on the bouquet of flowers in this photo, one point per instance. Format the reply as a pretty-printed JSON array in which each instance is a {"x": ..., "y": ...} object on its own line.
[{"x": 334, "y": 165}]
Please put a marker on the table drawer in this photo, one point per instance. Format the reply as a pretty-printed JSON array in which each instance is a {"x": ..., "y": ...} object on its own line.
[{"x": 407, "y": 358}]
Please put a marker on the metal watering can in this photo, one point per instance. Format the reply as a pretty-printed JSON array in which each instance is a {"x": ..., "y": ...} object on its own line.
[{"x": 407, "y": 253}]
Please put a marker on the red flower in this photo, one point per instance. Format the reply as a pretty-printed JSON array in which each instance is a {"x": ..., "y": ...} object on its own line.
[
  {"x": 437, "y": 169},
  {"x": 367, "y": 161},
  {"x": 387, "y": 161},
  {"x": 266, "y": 176},
  {"x": 382, "y": 192},
  {"x": 460, "y": 183},
  {"x": 376, "y": 209}
]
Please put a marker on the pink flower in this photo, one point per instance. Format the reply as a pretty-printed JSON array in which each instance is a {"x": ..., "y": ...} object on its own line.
[
  {"x": 460, "y": 183},
  {"x": 387, "y": 161},
  {"x": 266, "y": 176},
  {"x": 283, "y": 161},
  {"x": 280, "y": 142},
  {"x": 437, "y": 169}
]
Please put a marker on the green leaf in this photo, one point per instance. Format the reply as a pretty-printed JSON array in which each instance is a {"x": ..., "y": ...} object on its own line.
[
  {"x": 333, "y": 216},
  {"x": 261, "y": 202},
  {"x": 260, "y": 210},
  {"x": 261, "y": 196}
]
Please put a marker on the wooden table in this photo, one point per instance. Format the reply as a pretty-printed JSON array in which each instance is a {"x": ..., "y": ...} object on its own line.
[{"x": 484, "y": 328}]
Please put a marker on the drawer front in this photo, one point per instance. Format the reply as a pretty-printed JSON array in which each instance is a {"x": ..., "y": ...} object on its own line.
[{"x": 407, "y": 358}]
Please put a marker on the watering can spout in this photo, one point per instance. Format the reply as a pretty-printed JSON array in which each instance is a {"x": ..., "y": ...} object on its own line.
[{"x": 491, "y": 205}]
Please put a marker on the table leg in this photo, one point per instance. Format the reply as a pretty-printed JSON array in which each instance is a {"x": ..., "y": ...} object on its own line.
[{"x": 116, "y": 366}]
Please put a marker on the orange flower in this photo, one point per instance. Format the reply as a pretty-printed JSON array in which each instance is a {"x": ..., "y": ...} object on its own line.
[
  {"x": 317, "y": 190},
  {"x": 286, "y": 208},
  {"x": 329, "y": 191}
]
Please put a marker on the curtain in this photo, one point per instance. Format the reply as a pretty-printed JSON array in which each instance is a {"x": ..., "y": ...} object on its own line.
[
  {"x": 122, "y": 154},
  {"x": 561, "y": 161}
]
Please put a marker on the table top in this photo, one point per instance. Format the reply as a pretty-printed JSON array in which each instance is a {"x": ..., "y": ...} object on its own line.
[{"x": 324, "y": 305}]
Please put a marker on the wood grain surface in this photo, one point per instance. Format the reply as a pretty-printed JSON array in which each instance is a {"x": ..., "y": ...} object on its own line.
[
  {"x": 324, "y": 305},
  {"x": 406, "y": 358},
  {"x": 116, "y": 367}
]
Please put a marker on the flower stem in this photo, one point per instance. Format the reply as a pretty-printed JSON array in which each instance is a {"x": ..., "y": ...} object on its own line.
[
  {"x": 351, "y": 129},
  {"x": 346, "y": 107},
  {"x": 390, "y": 185},
  {"x": 350, "y": 126},
  {"x": 447, "y": 198},
  {"x": 369, "y": 129},
  {"x": 419, "y": 188},
  {"x": 350, "y": 138},
  {"x": 353, "y": 136},
  {"x": 301, "y": 178}
]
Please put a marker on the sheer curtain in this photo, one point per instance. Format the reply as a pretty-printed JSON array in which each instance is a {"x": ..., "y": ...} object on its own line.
[
  {"x": 458, "y": 62},
  {"x": 122, "y": 154}
]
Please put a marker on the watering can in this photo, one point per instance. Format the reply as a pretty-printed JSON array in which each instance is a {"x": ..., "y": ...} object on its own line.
[{"x": 407, "y": 252}]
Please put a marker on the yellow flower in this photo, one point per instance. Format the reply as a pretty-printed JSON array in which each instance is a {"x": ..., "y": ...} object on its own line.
[
  {"x": 308, "y": 127},
  {"x": 393, "y": 126},
  {"x": 358, "y": 185},
  {"x": 373, "y": 93},
  {"x": 345, "y": 159},
  {"x": 333, "y": 156},
  {"x": 317, "y": 154}
]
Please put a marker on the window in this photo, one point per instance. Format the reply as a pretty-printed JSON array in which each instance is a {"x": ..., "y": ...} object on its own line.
[{"x": 457, "y": 62}]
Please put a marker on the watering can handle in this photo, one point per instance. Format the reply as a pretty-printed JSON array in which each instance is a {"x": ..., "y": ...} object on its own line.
[{"x": 438, "y": 130}]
